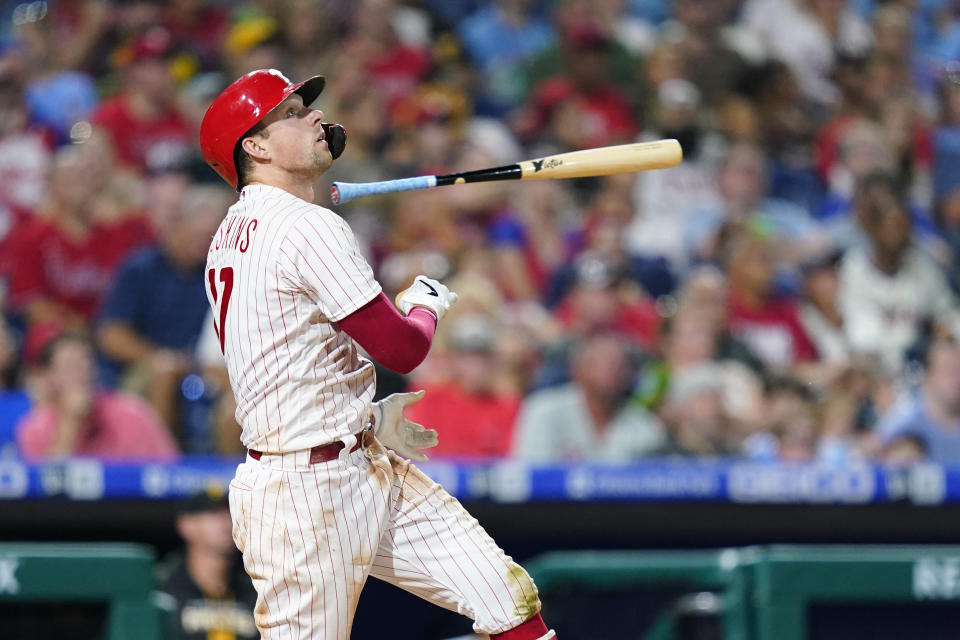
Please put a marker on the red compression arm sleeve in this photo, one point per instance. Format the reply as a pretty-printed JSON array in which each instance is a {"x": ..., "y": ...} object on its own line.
[{"x": 398, "y": 343}]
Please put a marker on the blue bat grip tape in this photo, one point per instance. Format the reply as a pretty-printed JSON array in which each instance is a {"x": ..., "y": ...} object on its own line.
[{"x": 346, "y": 191}]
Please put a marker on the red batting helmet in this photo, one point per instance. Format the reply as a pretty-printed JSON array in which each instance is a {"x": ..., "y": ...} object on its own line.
[{"x": 242, "y": 105}]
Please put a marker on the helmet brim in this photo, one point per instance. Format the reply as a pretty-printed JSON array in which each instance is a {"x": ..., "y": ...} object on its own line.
[{"x": 310, "y": 89}]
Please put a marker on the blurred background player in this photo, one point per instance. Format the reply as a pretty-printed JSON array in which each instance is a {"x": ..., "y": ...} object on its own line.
[{"x": 203, "y": 585}]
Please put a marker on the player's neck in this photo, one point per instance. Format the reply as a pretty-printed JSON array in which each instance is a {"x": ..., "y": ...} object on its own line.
[{"x": 298, "y": 188}]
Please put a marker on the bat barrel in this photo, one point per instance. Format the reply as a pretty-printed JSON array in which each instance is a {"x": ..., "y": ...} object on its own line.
[
  {"x": 604, "y": 161},
  {"x": 342, "y": 192}
]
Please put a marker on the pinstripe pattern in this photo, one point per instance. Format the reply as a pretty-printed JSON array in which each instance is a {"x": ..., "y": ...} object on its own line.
[
  {"x": 324, "y": 528},
  {"x": 298, "y": 270},
  {"x": 312, "y": 534}
]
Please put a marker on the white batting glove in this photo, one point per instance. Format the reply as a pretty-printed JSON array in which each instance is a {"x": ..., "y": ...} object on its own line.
[
  {"x": 398, "y": 433},
  {"x": 428, "y": 293}
]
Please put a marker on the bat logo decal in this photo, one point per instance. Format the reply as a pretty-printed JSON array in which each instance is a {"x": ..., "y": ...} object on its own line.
[
  {"x": 544, "y": 163},
  {"x": 432, "y": 291}
]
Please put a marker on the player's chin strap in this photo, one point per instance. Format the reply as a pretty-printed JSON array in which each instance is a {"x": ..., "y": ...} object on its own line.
[{"x": 532, "y": 629}]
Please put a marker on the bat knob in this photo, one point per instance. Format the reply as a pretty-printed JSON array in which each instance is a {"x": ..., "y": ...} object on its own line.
[{"x": 335, "y": 194}]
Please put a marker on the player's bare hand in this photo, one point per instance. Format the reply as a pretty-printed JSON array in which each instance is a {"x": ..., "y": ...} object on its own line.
[
  {"x": 398, "y": 433},
  {"x": 428, "y": 293}
]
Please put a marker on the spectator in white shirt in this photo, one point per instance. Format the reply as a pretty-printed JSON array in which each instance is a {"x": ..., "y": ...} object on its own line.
[
  {"x": 589, "y": 418},
  {"x": 889, "y": 288}
]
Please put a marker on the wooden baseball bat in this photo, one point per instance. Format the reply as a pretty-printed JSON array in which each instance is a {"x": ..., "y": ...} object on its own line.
[{"x": 602, "y": 161}]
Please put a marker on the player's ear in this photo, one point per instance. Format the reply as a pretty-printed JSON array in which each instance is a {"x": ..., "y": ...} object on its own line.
[{"x": 254, "y": 147}]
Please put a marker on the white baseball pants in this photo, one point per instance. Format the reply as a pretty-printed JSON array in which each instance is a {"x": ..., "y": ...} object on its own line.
[{"x": 311, "y": 534}]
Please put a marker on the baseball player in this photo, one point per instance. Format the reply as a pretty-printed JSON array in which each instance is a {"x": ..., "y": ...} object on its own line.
[{"x": 323, "y": 499}]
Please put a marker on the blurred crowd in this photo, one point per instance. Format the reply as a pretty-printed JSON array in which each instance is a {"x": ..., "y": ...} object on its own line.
[{"x": 788, "y": 293}]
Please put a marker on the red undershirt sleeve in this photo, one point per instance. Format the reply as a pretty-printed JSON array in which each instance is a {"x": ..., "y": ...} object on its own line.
[{"x": 399, "y": 343}]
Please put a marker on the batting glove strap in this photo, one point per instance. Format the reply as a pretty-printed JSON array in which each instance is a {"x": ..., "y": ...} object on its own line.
[
  {"x": 396, "y": 432},
  {"x": 427, "y": 293}
]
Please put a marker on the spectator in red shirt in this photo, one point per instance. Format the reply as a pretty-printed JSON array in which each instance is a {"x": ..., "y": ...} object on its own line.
[
  {"x": 199, "y": 26},
  {"x": 24, "y": 150},
  {"x": 769, "y": 325},
  {"x": 472, "y": 419},
  {"x": 65, "y": 258},
  {"x": 604, "y": 299},
  {"x": 24, "y": 164},
  {"x": 581, "y": 107},
  {"x": 79, "y": 420},
  {"x": 145, "y": 123},
  {"x": 392, "y": 66}
]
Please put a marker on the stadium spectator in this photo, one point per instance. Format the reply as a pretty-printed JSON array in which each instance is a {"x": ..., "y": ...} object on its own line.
[
  {"x": 144, "y": 121},
  {"x": 470, "y": 415},
  {"x": 742, "y": 185},
  {"x": 197, "y": 28},
  {"x": 601, "y": 232},
  {"x": 24, "y": 163},
  {"x": 499, "y": 39},
  {"x": 862, "y": 150},
  {"x": 664, "y": 200},
  {"x": 709, "y": 62},
  {"x": 819, "y": 310},
  {"x": 693, "y": 415},
  {"x": 854, "y": 105},
  {"x": 65, "y": 259},
  {"x": 848, "y": 412},
  {"x": 589, "y": 418},
  {"x": 580, "y": 106},
  {"x": 948, "y": 222},
  {"x": 796, "y": 435},
  {"x": 910, "y": 142},
  {"x": 786, "y": 129},
  {"x": 767, "y": 323},
  {"x": 24, "y": 153},
  {"x": 582, "y": 23},
  {"x": 619, "y": 18},
  {"x": 77, "y": 29},
  {"x": 602, "y": 298},
  {"x": 893, "y": 24},
  {"x": 904, "y": 451},
  {"x": 946, "y": 142},
  {"x": 203, "y": 584},
  {"x": 888, "y": 289},
  {"x": 58, "y": 96},
  {"x": 932, "y": 415},
  {"x": 806, "y": 34},
  {"x": 151, "y": 320},
  {"x": 785, "y": 396},
  {"x": 78, "y": 419},
  {"x": 526, "y": 235},
  {"x": 706, "y": 293},
  {"x": 687, "y": 340},
  {"x": 390, "y": 65}
]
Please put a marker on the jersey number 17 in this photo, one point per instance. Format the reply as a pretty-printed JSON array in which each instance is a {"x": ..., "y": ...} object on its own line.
[{"x": 226, "y": 278}]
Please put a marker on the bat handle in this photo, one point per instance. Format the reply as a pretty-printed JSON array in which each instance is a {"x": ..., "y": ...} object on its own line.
[{"x": 342, "y": 192}]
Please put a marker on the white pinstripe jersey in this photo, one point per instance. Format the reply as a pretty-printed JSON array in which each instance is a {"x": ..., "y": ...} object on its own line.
[{"x": 280, "y": 273}]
